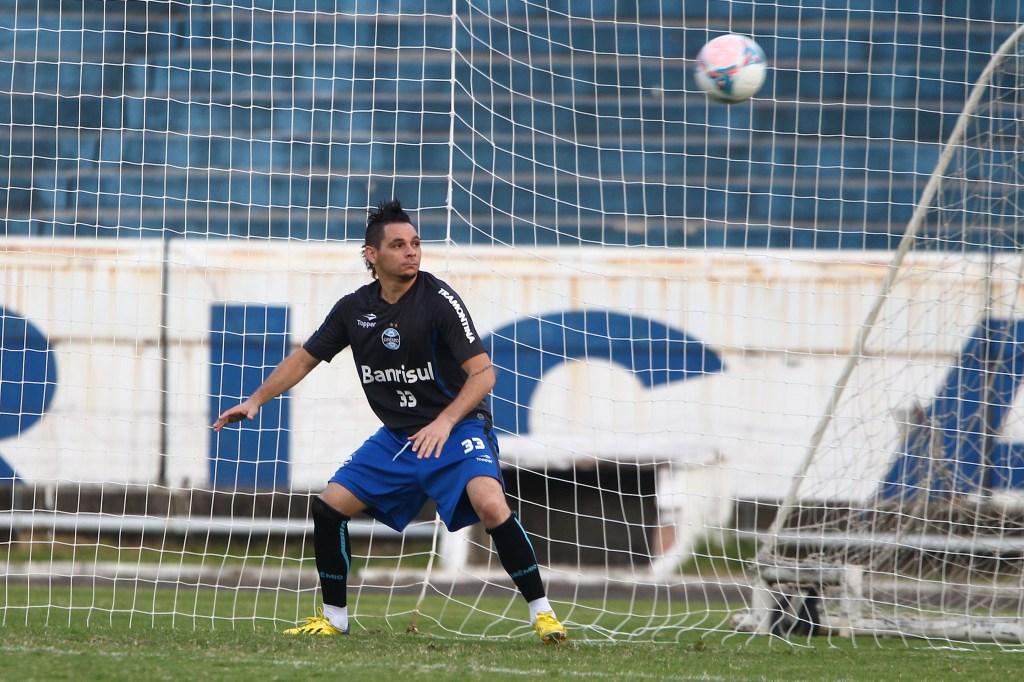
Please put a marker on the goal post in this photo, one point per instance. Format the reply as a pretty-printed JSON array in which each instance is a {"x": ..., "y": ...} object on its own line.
[{"x": 929, "y": 542}]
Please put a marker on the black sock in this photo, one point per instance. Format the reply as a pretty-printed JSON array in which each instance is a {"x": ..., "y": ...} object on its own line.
[
  {"x": 333, "y": 552},
  {"x": 517, "y": 557}
]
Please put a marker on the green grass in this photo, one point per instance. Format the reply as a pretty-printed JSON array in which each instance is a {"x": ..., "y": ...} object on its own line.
[
  {"x": 143, "y": 604},
  {"x": 94, "y": 633},
  {"x": 729, "y": 558},
  {"x": 215, "y": 551}
]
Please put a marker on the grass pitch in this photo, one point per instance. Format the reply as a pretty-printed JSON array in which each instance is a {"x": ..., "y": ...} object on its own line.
[{"x": 98, "y": 633}]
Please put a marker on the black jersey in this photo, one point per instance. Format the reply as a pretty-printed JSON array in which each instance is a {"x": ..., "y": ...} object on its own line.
[{"x": 408, "y": 354}]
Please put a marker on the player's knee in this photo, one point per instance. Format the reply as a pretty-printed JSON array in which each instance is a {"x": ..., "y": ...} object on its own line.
[
  {"x": 322, "y": 510},
  {"x": 493, "y": 511},
  {"x": 341, "y": 500}
]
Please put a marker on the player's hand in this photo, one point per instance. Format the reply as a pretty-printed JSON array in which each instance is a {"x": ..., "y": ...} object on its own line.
[
  {"x": 237, "y": 413},
  {"x": 431, "y": 438}
]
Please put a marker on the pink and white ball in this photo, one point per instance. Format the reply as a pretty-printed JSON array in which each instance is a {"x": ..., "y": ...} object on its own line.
[{"x": 731, "y": 68}]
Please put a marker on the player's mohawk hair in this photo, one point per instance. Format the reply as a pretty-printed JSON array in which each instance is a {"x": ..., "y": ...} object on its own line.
[{"x": 377, "y": 219}]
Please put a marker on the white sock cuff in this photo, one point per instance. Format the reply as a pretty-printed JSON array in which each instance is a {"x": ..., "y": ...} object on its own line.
[
  {"x": 338, "y": 615},
  {"x": 539, "y": 606}
]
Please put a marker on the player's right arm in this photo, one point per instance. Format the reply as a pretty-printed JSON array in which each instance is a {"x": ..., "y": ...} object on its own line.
[{"x": 291, "y": 371}]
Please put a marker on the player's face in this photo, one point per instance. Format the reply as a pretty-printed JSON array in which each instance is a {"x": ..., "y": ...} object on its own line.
[{"x": 399, "y": 254}]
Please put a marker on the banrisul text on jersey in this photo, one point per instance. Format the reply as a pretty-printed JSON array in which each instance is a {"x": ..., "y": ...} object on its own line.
[{"x": 399, "y": 375}]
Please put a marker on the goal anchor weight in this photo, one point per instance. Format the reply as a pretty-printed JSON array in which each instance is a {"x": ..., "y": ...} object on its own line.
[
  {"x": 787, "y": 601},
  {"x": 796, "y": 615}
]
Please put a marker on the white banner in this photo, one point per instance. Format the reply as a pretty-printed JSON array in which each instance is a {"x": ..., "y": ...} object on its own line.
[{"x": 778, "y": 323}]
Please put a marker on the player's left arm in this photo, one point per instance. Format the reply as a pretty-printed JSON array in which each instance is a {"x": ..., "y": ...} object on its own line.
[{"x": 480, "y": 380}]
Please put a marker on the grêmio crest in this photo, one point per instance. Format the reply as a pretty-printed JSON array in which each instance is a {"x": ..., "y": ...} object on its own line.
[{"x": 391, "y": 339}]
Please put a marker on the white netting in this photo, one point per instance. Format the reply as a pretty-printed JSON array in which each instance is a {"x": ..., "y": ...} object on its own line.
[
  {"x": 916, "y": 480},
  {"x": 666, "y": 285}
]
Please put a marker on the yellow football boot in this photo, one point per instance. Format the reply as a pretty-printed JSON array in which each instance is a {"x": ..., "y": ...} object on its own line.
[
  {"x": 315, "y": 625},
  {"x": 549, "y": 629}
]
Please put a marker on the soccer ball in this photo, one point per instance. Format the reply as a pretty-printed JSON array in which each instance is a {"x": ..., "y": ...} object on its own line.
[{"x": 730, "y": 68}]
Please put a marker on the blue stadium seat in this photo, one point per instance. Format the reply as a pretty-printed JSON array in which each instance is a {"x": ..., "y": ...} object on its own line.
[{"x": 124, "y": 122}]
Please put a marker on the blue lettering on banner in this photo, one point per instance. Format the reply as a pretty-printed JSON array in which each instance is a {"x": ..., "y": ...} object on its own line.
[
  {"x": 28, "y": 379},
  {"x": 951, "y": 445},
  {"x": 247, "y": 342},
  {"x": 524, "y": 350}
]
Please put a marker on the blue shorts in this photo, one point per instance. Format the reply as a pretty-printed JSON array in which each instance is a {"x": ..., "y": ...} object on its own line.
[{"x": 395, "y": 488}]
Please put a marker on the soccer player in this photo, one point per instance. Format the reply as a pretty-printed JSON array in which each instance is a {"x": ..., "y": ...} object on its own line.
[{"x": 426, "y": 376}]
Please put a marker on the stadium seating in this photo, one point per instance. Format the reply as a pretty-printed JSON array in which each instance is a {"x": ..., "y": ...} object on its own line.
[{"x": 231, "y": 119}]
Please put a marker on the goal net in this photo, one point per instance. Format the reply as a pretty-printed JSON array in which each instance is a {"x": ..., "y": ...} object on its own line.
[
  {"x": 187, "y": 194},
  {"x": 667, "y": 287},
  {"x": 905, "y": 517}
]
